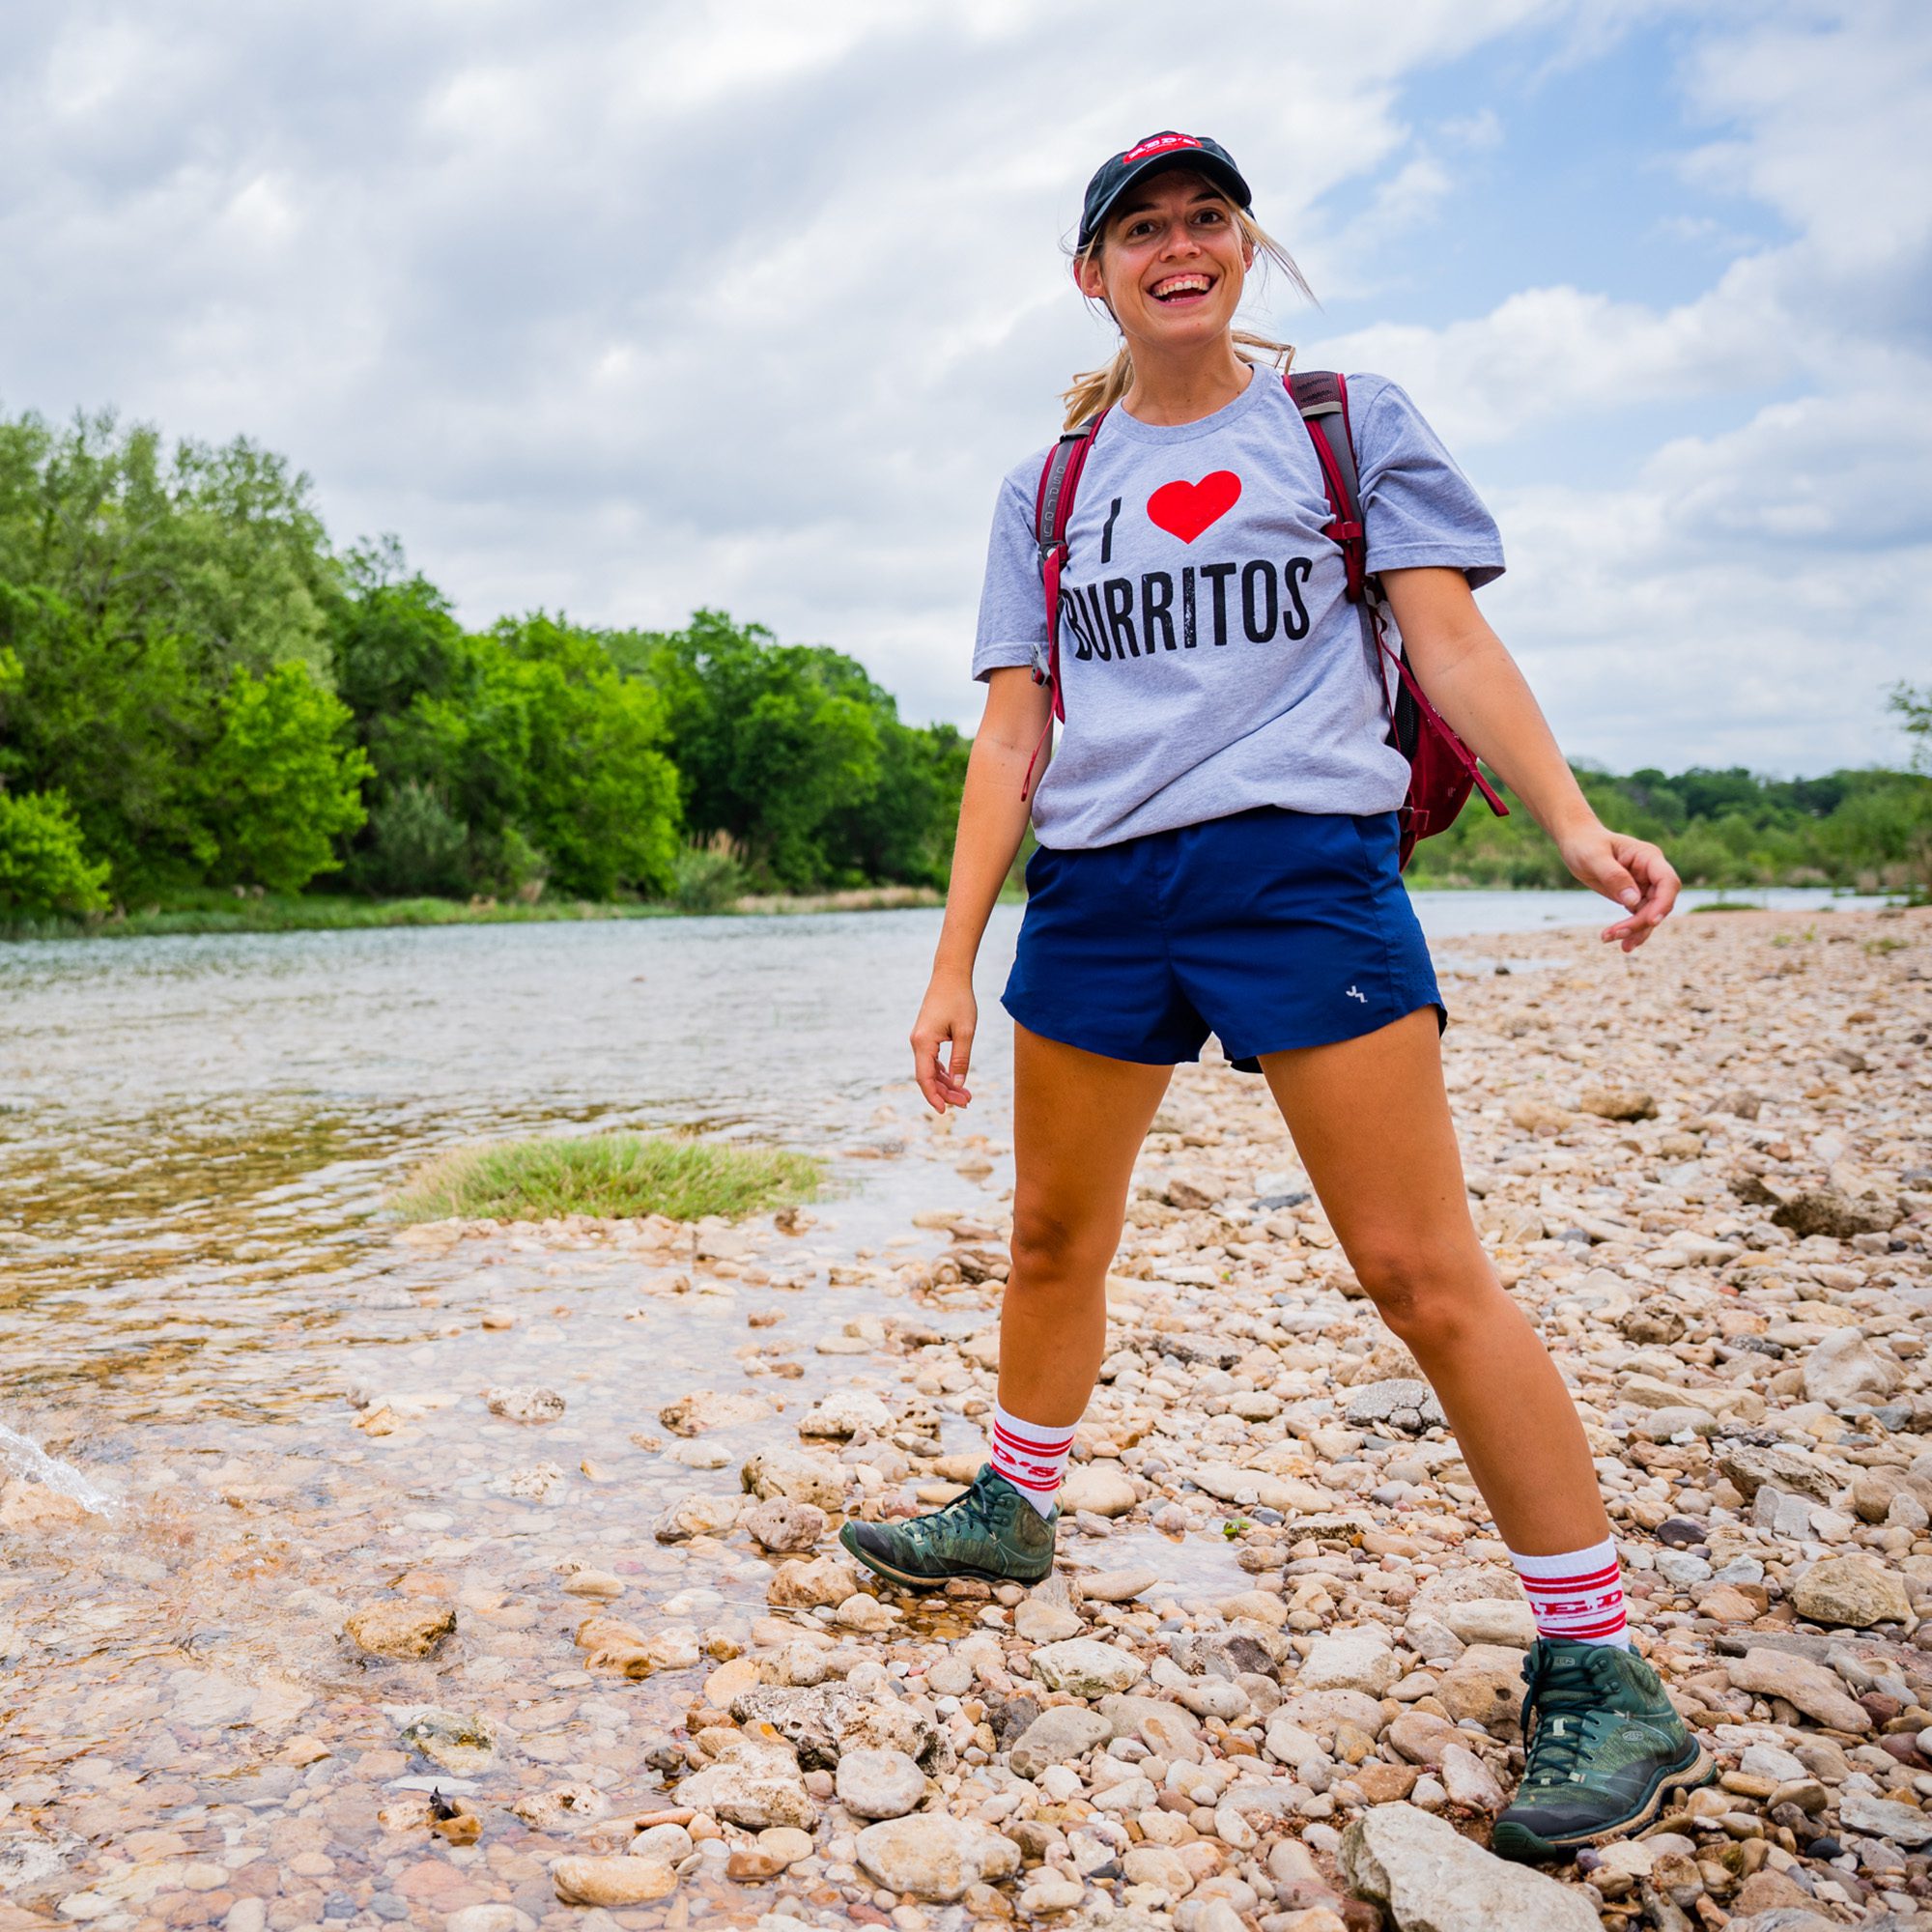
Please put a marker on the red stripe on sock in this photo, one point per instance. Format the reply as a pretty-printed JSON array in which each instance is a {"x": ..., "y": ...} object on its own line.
[
  {"x": 1033, "y": 1445},
  {"x": 1590, "y": 1579},
  {"x": 1014, "y": 1477},
  {"x": 1608, "y": 1628}
]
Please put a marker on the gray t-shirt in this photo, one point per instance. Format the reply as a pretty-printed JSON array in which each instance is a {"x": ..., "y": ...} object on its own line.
[{"x": 1209, "y": 659}]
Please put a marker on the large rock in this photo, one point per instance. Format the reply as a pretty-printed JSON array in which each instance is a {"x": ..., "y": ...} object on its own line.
[
  {"x": 781, "y": 1525},
  {"x": 1434, "y": 1879},
  {"x": 699, "y": 1515},
  {"x": 1485, "y": 1683},
  {"x": 752, "y": 1784},
  {"x": 1055, "y": 1736},
  {"x": 1166, "y": 1729},
  {"x": 879, "y": 1783},
  {"x": 1100, "y": 1489},
  {"x": 1493, "y": 1620},
  {"x": 1084, "y": 1667},
  {"x": 1826, "y": 1210},
  {"x": 1618, "y": 1103},
  {"x": 1886, "y": 1818},
  {"x": 824, "y": 1722},
  {"x": 1040, "y": 1621},
  {"x": 795, "y": 1476},
  {"x": 524, "y": 1404},
  {"x": 1750, "y": 1466},
  {"x": 460, "y": 1744},
  {"x": 402, "y": 1629},
  {"x": 616, "y": 1879},
  {"x": 797, "y": 1585},
  {"x": 1844, "y": 1371},
  {"x": 1850, "y": 1590},
  {"x": 706, "y": 1408},
  {"x": 1809, "y": 1686},
  {"x": 935, "y": 1856},
  {"x": 1349, "y": 1659},
  {"x": 847, "y": 1412},
  {"x": 1402, "y": 1404}
]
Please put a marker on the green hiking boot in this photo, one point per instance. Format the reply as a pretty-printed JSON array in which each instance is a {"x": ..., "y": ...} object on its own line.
[
  {"x": 1606, "y": 1748},
  {"x": 991, "y": 1532}
]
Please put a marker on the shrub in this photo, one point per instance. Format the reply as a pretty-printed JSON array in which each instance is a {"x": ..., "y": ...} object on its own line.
[{"x": 43, "y": 866}]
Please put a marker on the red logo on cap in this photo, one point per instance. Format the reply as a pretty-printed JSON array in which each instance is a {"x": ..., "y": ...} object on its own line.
[{"x": 1156, "y": 144}]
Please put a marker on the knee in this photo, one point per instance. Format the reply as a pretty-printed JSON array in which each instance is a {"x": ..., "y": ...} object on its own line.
[
  {"x": 1434, "y": 1303},
  {"x": 1052, "y": 1252}
]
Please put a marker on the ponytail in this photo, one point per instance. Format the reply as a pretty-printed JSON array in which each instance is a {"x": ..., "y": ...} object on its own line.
[{"x": 1098, "y": 389}]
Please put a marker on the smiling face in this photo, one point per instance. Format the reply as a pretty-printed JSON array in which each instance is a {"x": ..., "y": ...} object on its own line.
[{"x": 1171, "y": 263}]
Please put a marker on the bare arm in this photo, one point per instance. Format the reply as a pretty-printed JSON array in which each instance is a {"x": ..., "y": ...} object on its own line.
[
  {"x": 992, "y": 822},
  {"x": 1474, "y": 682}
]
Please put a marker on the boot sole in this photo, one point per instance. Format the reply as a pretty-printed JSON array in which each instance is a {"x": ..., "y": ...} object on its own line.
[
  {"x": 1528, "y": 1847},
  {"x": 908, "y": 1579}
]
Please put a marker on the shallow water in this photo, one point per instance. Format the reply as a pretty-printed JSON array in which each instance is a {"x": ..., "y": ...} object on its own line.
[{"x": 203, "y": 1311}]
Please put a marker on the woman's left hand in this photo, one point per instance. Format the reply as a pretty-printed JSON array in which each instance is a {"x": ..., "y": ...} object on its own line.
[{"x": 1632, "y": 872}]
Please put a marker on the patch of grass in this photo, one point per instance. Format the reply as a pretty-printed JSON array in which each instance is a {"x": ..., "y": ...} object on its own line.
[
  {"x": 1727, "y": 905},
  {"x": 608, "y": 1175}
]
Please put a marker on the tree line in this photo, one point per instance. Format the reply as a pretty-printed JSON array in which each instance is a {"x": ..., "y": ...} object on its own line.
[{"x": 199, "y": 691}]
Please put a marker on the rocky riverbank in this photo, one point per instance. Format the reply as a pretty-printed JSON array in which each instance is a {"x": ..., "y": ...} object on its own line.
[{"x": 484, "y": 1650}]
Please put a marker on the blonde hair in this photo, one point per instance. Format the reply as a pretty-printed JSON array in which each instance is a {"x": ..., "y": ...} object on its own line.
[{"x": 1098, "y": 389}]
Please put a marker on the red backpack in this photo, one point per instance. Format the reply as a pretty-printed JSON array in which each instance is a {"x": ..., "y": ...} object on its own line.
[{"x": 1442, "y": 769}]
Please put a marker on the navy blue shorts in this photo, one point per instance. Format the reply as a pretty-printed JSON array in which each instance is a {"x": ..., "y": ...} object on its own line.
[{"x": 1272, "y": 928}]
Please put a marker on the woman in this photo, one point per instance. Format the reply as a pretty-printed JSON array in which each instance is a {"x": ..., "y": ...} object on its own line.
[{"x": 1218, "y": 852}]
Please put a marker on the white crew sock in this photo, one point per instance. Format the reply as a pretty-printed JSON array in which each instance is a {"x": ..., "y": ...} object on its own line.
[
  {"x": 1578, "y": 1597},
  {"x": 1029, "y": 1457}
]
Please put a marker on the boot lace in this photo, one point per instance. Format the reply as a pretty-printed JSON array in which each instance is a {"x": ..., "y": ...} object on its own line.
[
  {"x": 975, "y": 1511},
  {"x": 1571, "y": 1726}
]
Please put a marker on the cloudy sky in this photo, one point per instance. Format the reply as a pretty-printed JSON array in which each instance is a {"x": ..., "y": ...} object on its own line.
[{"x": 626, "y": 308}]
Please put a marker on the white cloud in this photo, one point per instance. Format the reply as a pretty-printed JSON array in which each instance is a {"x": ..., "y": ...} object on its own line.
[{"x": 623, "y": 310}]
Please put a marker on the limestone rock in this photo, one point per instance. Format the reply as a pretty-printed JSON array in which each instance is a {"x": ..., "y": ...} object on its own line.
[
  {"x": 460, "y": 1744},
  {"x": 697, "y": 1515},
  {"x": 935, "y": 1856},
  {"x": 1085, "y": 1667},
  {"x": 524, "y": 1404},
  {"x": 1485, "y": 1683},
  {"x": 847, "y": 1412},
  {"x": 1493, "y": 1620},
  {"x": 1750, "y": 1466},
  {"x": 1056, "y": 1736},
  {"x": 879, "y": 1783},
  {"x": 1434, "y": 1879},
  {"x": 706, "y": 1408},
  {"x": 1828, "y": 1211},
  {"x": 1618, "y": 1103},
  {"x": 1904, "y": 1824},
  {"x": 797, "y": 1477},
  {"x": 1852, "y": 1591},
  {"x": 1410, "y": 1406},
  {"x": 1039, "y": 1621},
  {"x": 806, "y": 1585},
  {"x": 617, "y": 1880},
  {"x": 400, "y": 1628},
  {"x": 1349, "y": 1659},
  {"x": 1100, "y": 1489},
  {"x": 752, "y": 1785},
  {"x": 1845, "y": 1371},
  {"x": 1811, "y": 1688},
  {"x": 781, "y": 1525}
]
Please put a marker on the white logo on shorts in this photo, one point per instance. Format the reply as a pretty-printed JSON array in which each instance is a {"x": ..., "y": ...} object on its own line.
[{"x": 1352, "y": 994}]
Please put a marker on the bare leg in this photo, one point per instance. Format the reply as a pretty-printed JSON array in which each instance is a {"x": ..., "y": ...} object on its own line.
[
  {"x": 1079, "y": 1120},
  {"x": 1371, "y": 1119}
]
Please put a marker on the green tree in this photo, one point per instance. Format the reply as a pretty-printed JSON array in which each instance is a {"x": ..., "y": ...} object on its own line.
[
  {"x": 1914, "y": 707},
  {"x": 43, "y": 865},
  {"x": 283, "y": 781}
]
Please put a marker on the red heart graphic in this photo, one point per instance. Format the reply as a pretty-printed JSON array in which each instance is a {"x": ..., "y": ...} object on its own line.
[{"x": 1184, "y": 510}]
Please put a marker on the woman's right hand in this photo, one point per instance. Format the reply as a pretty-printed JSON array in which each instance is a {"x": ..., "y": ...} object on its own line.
[{"x": 948, "y": 1012}]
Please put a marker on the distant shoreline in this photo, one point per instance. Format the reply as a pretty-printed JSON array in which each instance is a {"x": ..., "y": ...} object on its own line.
[{"x": 326, "y": 913}]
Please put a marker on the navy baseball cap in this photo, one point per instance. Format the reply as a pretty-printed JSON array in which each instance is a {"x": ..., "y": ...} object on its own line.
[{"x": 1113, "y": 178}]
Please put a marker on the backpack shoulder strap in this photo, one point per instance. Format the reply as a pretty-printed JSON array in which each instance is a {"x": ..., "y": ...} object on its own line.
[
  {"x": 1052, "y": 511},
  {"x": 1321, "y": 395}
]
